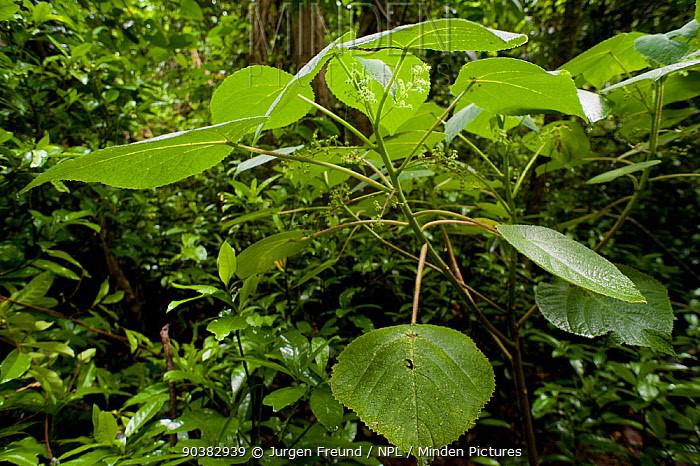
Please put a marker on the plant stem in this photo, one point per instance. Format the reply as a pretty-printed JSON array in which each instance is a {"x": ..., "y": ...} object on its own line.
[
  {"x": 530, "y": 312},
  {"x": 460, "y": 222},
  {"x": 340, "y": 120},
  {"x": 481, "y": 154},
  {"x": 521, "y": 387},
  {"x": 517, "y": 360},
  {"x": 527, "y": 168},
  {"x": 332, "y": 166},
  {"x": 653, "y": 144},
  {"x": 419, "y": 279},
  {"x": 169, "y": 366},
  {"x": 674, "y": 175},
  {"x": 357, "y": 222},
  {"x": 420, "y": 234}
]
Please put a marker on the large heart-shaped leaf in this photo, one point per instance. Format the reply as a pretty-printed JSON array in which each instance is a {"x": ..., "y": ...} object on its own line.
[
  {"x": 445, "y": 35},
  {"x": 250, "y": 92},
  {"x": 590, "y": 314},
  {"x": 571, "y": 261},
  {"x": 417, "y": 385},
  {"x": 154, "y": 162},
  {"x": 516, "y": 87},
  {"x": 304, "y": 76}
]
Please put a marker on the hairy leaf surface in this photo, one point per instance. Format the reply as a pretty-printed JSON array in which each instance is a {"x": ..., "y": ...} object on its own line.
[
  {"x": 571, "y": 261},
  {"x": 417, "y": 385},
  {"x": 588, "y": 314}
]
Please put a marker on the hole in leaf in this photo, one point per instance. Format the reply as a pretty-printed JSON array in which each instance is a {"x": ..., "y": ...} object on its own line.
[{"x": 409, "y": 364}]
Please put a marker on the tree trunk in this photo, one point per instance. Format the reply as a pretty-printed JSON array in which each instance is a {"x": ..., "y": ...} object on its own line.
[
  {"x": 263, "y": 19},
  {"x": 308, "y": 31}
]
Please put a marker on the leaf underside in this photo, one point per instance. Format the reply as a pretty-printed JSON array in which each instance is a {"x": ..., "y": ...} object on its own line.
[
  {"x": 154, "y": 162},
  {"x": 588, "y": 314}
]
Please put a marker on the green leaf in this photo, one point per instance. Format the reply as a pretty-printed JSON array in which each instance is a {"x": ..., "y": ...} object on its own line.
[
  {"x": 445, "y": 35},
  {"x": 284, "y": 397},
  {"x": 41, "y": 12},
  {"x": 8, "y": 8},
  {"x": 328, "y": 410},
  {"x": 252, "y": 90},
  {"x": 133, "y": 339},
  {"x": 655, "y": 75},
  {"x": 56, "y": 269},
  {"x": 102, "y": 292},
  {"x": 250, "y": 284},
  {"x": 460, "y": 120},
  {"x": 303, "y": 78},
  {"x": 516, "y": 87},
  {"x": 423, "y": 118},
  {"x": 588, "y": 314},
  {"x": 697, "y": 11},
  {"x": 261, "y": 256},
  {"x": 226, "y": 263},
  {"x": 410, "y": 89},
  {"x": 595, "y": 106},
  {"x": 22, "y": 452},
  {"x": 660, "y": 49},
  {"x": 105, "y": 427},
  {"x": 571, "y": 261},
  {"x": 190, "y": 9},
  {"x": 33, "y": 292},
  {"x": 612, "y": 57},
  {"x": 52, "y": 347},
  {"x": 223, "y": 326},
  {"x": 478, "y": 121},
  {"x": 441, "y": 378},
  {"x": 315, "y": 271},
  {"x": 154, "y": 162},
  {"x": 142, "y": 416},
  {"x": 379, "y": 71},
  {"x": 618, "y": 172},
  {"x": 14, "y": 365}
]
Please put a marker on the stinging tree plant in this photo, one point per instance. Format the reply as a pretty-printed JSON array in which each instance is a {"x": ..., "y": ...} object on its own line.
[{"x": 400, "y": 379}]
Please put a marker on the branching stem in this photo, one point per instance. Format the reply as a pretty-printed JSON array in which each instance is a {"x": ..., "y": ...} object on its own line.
[{"x": 651, "y": 153}]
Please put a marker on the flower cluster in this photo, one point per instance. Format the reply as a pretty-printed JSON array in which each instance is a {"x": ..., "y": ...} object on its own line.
[{"x": 419, "y": 83}]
